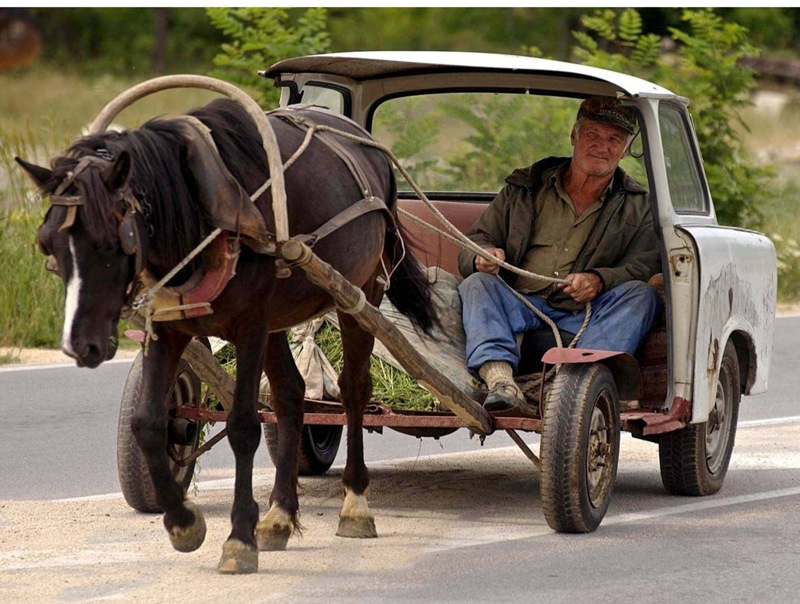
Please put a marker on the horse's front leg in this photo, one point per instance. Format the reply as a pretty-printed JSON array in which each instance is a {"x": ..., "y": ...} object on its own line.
[
  {"x": 239, "y": 553},
  {"x": 182, "y": 518},
  {"x": 287, "y": 391},
  {"x": 355, "y": 383}
]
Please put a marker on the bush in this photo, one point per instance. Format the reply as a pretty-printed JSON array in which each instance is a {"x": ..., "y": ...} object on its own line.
[
  {"x": 705, "y": 66},
  {"x": 260, "y": 37}
]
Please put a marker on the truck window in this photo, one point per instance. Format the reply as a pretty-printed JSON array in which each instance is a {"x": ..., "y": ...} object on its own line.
[
  {"x": 683, "y": 175},
  {"x": 468, "y": 142},
  {"x": 324, "y": 96}
]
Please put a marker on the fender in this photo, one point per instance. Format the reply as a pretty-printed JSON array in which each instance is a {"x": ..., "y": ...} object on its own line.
[{"x": 623, "y": 367}]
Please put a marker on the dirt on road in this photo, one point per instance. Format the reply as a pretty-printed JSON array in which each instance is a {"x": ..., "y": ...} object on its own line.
[{"x": 98, "y": 549}]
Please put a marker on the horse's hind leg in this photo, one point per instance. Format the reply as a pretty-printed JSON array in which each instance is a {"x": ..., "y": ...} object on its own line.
[
  {"x": 287, "y": 391},
  {"x": 182, "y": 518},
  {"x": 239, "y": 553},
  {"x": 355, "y": 383}
]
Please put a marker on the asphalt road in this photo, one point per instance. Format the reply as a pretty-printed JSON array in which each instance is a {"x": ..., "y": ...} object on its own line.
[
  {"x": 58, "y": 427},
  {"x": 454, "y": 526}
]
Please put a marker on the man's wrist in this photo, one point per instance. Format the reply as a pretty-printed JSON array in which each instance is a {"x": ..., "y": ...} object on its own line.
[{"x": 599, "y": 278}]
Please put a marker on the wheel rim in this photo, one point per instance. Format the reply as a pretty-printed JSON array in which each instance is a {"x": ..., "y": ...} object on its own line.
[
  {"x": 183, "y": 392},
  {"x": 600, "y": 457},
  {"x": 718, "y": 425}
]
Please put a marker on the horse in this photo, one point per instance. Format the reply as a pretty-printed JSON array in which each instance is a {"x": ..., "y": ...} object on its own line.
[{"x": 138, "y": 201}]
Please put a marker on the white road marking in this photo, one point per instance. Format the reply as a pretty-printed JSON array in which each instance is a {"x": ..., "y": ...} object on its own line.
[
  {"x": 30, "y": 559},
  {"x": 56, "y": 365},
  {"x": 467, "y": 535}
]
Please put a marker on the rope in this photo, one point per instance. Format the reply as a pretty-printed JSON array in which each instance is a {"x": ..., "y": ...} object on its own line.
[
  {"x": 300, "y": 150},
  {"x": 144, "y": 303},
  {"x": 455, "y": 236},
  {"x": 547, "y": 320}
]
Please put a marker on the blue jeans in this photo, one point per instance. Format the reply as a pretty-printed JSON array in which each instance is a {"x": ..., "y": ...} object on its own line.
[{"x": 492, "y": 315}]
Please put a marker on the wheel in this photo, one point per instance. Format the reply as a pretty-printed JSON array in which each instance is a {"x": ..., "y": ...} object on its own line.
[
  {"x": 183, "y": 437},
  {"x": 695, "y": 459},
  {"x": 318, "y": 447},
  {"x": 579, "y": 448}
]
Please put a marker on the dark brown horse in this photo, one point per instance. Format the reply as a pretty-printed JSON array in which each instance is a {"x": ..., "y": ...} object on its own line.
[{"x": 143, "y": 200}]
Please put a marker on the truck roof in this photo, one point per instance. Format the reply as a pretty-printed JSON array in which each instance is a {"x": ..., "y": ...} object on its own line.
[{"x": 361, "y": 66}]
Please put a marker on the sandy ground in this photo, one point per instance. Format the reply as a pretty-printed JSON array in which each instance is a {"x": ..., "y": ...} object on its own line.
[
  {"x": 99, "y": 549},
  {"x": 87, "y": 550},
  {"x": 40, "y": 356}
]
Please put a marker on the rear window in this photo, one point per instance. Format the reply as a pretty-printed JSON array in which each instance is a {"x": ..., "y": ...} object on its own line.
[{"x": 470, "y": 141}]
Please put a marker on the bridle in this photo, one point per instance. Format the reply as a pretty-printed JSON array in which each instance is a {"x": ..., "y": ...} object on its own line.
[{"x": 131, "y": 224}]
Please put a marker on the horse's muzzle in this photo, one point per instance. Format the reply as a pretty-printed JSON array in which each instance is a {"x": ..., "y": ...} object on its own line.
[{"x": 87, "y": 354}]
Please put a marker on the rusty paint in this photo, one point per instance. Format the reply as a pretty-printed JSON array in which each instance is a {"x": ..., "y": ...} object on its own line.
[
  {"x": 327, "y": 414},
  {"x": 679, "y": 414},
  {"x": 624, "y": 367}
]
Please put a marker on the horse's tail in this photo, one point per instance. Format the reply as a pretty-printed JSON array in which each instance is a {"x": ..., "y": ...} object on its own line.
[{"x": 409, "y": 290}]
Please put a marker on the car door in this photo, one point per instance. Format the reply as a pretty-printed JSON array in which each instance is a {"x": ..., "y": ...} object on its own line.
[{"x": 732, "y": 270}]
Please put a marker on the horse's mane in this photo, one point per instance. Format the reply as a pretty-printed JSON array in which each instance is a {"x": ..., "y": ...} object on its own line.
[{"x": 160, "y": 179}]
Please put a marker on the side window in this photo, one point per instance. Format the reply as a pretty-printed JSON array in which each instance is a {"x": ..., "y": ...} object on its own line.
[
  {"x": 685, "y": 185},
  {"x": 330, "y": 98}
]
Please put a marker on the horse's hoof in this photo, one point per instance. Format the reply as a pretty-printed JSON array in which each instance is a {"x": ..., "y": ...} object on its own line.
[
  {"x": 238, "y": 558},
  {"x": 273, "y": 532},
  {"x": 189, "y": 538},
  {"x": 358, "y": 527}
]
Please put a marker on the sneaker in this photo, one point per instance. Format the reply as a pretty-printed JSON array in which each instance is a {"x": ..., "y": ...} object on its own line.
[{"x": 503, "y": 397}]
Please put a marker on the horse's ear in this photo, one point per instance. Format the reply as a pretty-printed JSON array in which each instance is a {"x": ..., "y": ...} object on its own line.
[
  {"x": 38, "y": 174},
  {"x": 116, "y": 176}
]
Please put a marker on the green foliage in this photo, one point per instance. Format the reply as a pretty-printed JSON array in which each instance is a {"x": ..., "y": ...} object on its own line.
[
  {"x": 122, "y": 40},
  {"x": 31, "y": 300},
  {"x": 390, "y": 386},
  {"x": 705, "y": 67},
  {"x": 259, "y": 37},
  {"x": 503, "y": 132}
]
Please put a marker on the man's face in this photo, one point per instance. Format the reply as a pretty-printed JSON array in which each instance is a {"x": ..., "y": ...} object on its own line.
[{"x": 598, "y": 147}]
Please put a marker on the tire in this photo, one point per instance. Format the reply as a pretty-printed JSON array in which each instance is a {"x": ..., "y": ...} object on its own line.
[
  {"x": 318, "y": 447},
  {"x": 579, "y": 448},
  {"x": 695, "y": 459},
  {"x": 134, "y": 477}
]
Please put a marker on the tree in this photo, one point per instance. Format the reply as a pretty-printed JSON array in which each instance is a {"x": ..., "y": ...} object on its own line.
[
  {"x": 706, "y": 67},
  {"x": 261, "y": 36}
]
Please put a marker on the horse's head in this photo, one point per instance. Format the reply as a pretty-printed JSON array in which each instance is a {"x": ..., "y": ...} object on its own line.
[{"x": 91, "y": 237}]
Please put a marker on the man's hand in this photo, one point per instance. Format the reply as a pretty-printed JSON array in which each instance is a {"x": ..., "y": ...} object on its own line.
[
  {"x": 583, "y": 287},
  {"x": 487, "y": 266}
]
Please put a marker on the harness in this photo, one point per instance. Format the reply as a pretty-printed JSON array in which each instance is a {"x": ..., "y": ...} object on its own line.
[
  {"x": 130, "y": 224},
  {"x": 221, "y": 249}
]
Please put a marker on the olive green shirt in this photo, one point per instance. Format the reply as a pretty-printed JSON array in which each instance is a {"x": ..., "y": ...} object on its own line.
[{"x": 558, "y": 233}]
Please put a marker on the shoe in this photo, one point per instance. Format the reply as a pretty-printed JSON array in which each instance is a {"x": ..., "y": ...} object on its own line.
[{"x": 503, "y": 397}]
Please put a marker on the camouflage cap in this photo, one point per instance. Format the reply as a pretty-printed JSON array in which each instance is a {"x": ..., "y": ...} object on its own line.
[{"x": 608, "y": 110}]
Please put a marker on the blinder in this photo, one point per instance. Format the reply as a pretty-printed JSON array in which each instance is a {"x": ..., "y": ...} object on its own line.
[{"x": 131, "y": 224}]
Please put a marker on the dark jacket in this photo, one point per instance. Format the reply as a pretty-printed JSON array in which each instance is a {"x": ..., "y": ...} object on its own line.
[{"x": 622, "y": 246}]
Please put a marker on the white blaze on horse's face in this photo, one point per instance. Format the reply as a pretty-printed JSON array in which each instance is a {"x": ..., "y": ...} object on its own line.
[{"x": 73, "y": 288}]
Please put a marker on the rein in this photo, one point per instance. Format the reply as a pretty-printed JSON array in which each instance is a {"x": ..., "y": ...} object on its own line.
[
  {"x": 454, "y": 235},
  {"x": 128, "y": 229}
]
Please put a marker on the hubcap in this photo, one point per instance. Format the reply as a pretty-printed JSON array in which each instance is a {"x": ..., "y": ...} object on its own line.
[
  {"x": 717, "y": 430},
  {"x": 600, "y": 457},
  {"x": 182, "y": 393}
]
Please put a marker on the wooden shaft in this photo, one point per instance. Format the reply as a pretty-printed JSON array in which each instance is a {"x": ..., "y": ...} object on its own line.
[
  {"x": 206, "y": 366},
  {"x": 350, "y": 298},
  {"x": 270, "y": 142}
]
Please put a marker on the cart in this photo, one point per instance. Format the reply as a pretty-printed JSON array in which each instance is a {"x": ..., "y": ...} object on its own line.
[{"x": 682, "y": 389}]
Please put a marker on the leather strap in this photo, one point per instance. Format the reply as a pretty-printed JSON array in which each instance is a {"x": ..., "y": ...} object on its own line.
[{"x": 368, "y": 204}]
